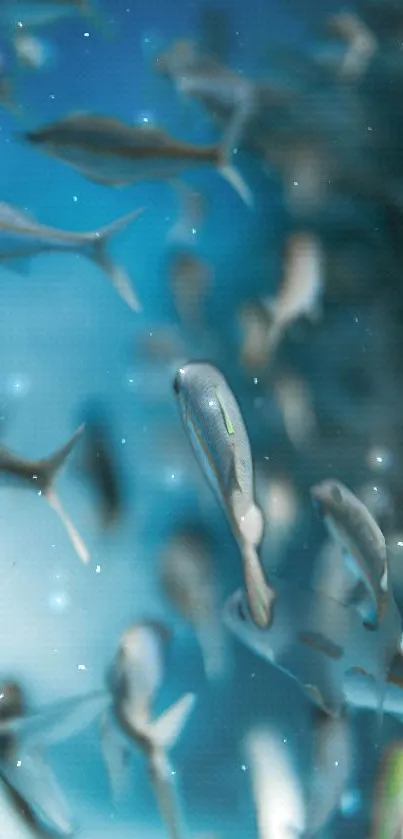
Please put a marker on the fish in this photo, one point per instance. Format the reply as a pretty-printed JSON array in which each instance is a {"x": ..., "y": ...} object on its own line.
[
  {"x": 188, "y": 580},
  {"x": 22, "y": 237},
  {"x": 332, "y": 768},
  {"x": 316, "y": 641},
  {"x": 280, "y": 506},
  {"x": 352, "y": 526},
  {"x": 37, "y": 13},
  {"x": 276, "y": 788},
  {"x": 189, "y": 279},
  {"x": 40, "y": 476},
  {"x": 213, "y": 422},
  {"x": 254, "y": 344},
  {"x": 301, "y": 288},
  {"x": 294, "y": 398},
  {"x": 135, "y": 677},
  {"x": 99, "y": 465},
  {"x": 31, "y": 52},
  {"x": 361, "y": 42},
  {"x": 29, "y": 791},
  {"x": 111, "y": 152},
  {"x": 360, "y": 692}
]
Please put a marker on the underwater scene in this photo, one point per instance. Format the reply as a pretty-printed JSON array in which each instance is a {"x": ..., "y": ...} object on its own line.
[{"x": 201, "y": 422}]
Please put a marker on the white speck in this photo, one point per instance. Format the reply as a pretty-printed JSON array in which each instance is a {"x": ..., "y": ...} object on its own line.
[
  {"x": 296, "y": 183},
  {"x": 131, "y": 381},
  {"x": 243, "y": 767},
  {"x": 123, "y": 441},
  {"x": 173, "y": 476},
  {"x": 356, "y": 320},
  {"x": 34, "y": 477},
  {"x": 285, "y": 740},
  {"x": 20, "y": 24},
  {"x": 19, "y": 763},
  {"x": 75, "y": 198},
  {"x": 1, "y": 695},
  {"x": 255, "y": 380},
  {"x": 145, "y": 119},
  {"x": 59, "y": 602},
  {"x": 39, "y": 492},
  {"x": 52, "y": 96},
  {"x": 81, "y": 667},
  {"x": 173, "y": 771},
  {"x": 98, "y": 569},
  {"x": 86, "y": 34},
  {"x": 336, "y": 763},
  {"x": 369, "y": 128},
  {"x": 375, "y": 489},
  {"x": 194, "y": 231},
  {"x": 211, "y": 403},
  {"x": 400, "y": 544},
  {"x": 379, "y": 459}
]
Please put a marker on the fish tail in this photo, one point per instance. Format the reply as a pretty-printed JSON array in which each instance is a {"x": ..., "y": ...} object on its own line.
[
  {"x": 72, "y": 532},
  {"x": 228, "y": 143},
  {"x": 166, "y": 729},
  {"x": 260, "y": 595},
  {"x": 114, "y": 272},
  {"x": 161, "y": 775},
  {"x": 50, "y": 466}
]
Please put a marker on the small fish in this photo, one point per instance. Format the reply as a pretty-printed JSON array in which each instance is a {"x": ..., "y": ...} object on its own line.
[
  {"x": 254, "y": 347},
  {"x": 31, "y": 52},
  {"x": 362, "y": 45},
  {"x": 294, "y": 399},
  {"x": 22, "y": 237},
  {"x": 189, "y": 279},
  {"x": 350, "y": 523},
  {"x": 360, "y": 690},
  {"x": 307, "y": 629},
  {"x": 387, "y": 819},
  {"x": 301, "y": 289},
  {"x": 277, "y": 791},
  {"x": 100, "y": 466},
  {"x": 40, "y": 475},
  {"x": 34, "y": 13},
  {"x": 188, "y": 580},
  {"x": 28, "y": 787},
  {"x": 279, "y": 502},
  {"x": 214, "y": 425},
  {"x": 135, "y": 677},
  {"x": 114, "y": 153},
  {"x": 332, "y": 767}
]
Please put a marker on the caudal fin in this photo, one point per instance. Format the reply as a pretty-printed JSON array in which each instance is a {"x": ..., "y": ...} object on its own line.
[
  {"x": 229, "y": 142},
  {"x": 260, "y": 595},
  {"x": 72, "y": 532},
  {"x": 166, "y": 729},
  {"x": 99, "y": 254}
]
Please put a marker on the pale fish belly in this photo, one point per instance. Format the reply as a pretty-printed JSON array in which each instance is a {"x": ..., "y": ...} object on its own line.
[{"x": 112, "y": 170}]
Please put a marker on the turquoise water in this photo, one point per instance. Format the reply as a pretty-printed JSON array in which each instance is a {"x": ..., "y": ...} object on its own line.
[{"x": 66, "y": 338}]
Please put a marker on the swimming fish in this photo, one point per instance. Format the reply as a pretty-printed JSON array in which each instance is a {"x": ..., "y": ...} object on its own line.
[
  {"x": 294, "y": 399},
  {"x": 40, "y": 475},
  {"x": 31, "y": 52},
  {"x": 135, "y": 677},
  {"x": 188, "y": 580},
  {"x": 352, "y": 526},
  {"x": 301, "y": 288},
  {"x": 332, "y": 767},
  {"x": 99, "y": 464},
  {"x": 316, "y": 640},
  {"x": 111, "y": 152},
  {"x": 214, "y": 425},
  {"x": 189, "y": 279},
  {"x": 34, "y": 13},
  {"x": 21, "y": 237},
  {"x": 277, "y": 791},
  {"x": 30, "y": 794},
  {"x": 361, "y": 43}
]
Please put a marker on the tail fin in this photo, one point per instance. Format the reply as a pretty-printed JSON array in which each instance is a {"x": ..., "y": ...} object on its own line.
[
  {"x": 99, "y": 255},
  {"x": 260, "y": 595},
  {"x": 48, "y": 468},
  {"x": 166, "y": 729},
  {"x": 162, "y": 779},
  {"x": 229, "y": 141}
]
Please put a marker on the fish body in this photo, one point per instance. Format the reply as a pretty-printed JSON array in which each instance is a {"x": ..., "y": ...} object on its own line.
[
  {"x": 135, "y": 677},
  {"x": 214, "y": 425},
  {"x": 332, "y": 767},
  {"x": 22, "y": 237},
  {"x": 40, "y": 476},
  {"x": 188, "y": 580},
  {"x": 316, "y": 640},
  {"x": 353, "y": 527},
  {"x": 100, "y": 466},
  {"x": 111, "y": 152}
]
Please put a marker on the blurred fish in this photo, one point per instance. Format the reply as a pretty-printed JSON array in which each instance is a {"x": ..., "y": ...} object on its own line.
[
  {"x": 332, "y": 767},
  {"x": 216, "y": 431},
  {"x": 100, "y": 466},
  {"x": 188, "y": 579},
  {"x": 21, "y": 237},
  {"x": 316, "y": 640},
  {"x": 387, "y": 820},
  {"x": 361, "y": 44},
  {"x": 277, "y": 793},
  {"x": 294, "y": 399},
  {"x": 280, "y": 506},
  {"x": 189, "y": 279},
  {"x": 33, "y": 13},
  {"x": 301, "y": 289},
  {"x": 40, "y": 475},
  {"x": 254, "y": 322},
  {"x": 192, "y": 211},
  {"x": 28, "y": 786},
  {"x": 114, "y": 153},
  {"x": 351, "y": 524},
  {"x": 32, "y": 52},
  {"x": 135, "y": 678},
  {"x": 360, "y": 690}
]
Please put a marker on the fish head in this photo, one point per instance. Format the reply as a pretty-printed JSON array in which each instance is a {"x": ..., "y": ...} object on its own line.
[
  {"x": 332, "y": 503},
  {"x": 238, "y": 619}
]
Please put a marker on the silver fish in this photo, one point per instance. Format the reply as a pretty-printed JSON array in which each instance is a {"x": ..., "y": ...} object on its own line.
[
  {"x": 37, "y": 13},
  {"x": 316, "y": 641},
  {"x": 40, "y": 476},
  {"x": 362, "y": 45},
  {"x": 331, "y": 770},
  {"x": 352, "y": 526},
  {"x": 135, "y": 677},
  {"x": 189, "y": 279},
  {"x": 214, "y": 425},
  {"x": 111, "y": 152},
  {"x": 188, "y": 580},
  {"x": 22, "y": 237}
]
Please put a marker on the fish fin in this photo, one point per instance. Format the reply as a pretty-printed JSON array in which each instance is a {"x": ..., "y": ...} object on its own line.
[
  {"x": 236, "y": 181},
  {"x": 72, "y": 532},
  {"x": 162, "y": 779},
  {"x": 116, "y": 757},
  {"x": 260, "y": 595},
  {"x": 57, "y": 722},
  {"x": 31, "y": 778},
  {"x": 319, "y": 642},
  {"x": 166, "y": 729},
  {"x": 99, "y": 255},
  {"x": 228, "y": 143},
  {"x": 20, "y": 265}
]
